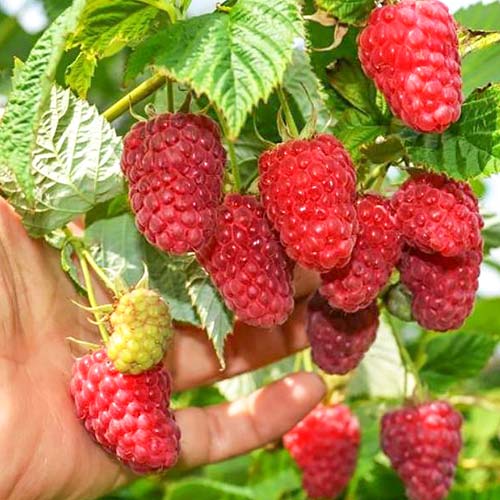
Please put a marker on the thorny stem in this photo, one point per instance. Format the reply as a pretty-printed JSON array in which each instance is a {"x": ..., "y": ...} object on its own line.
[
  {"x": 288, "y": 113},
  {"x": 145, "y": 89},
  {"x": 407, "y": 361}
]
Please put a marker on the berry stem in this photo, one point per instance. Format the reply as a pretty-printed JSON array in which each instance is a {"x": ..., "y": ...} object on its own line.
[
  {"x": 288, "y": 112},
  {"x": 97, "y": 269},
  {"x": 145, "y": 89},
  {"x": 170, "y": 96},
  {"x": 407, "y": 361},
  {"x": 234, "y": 165}
]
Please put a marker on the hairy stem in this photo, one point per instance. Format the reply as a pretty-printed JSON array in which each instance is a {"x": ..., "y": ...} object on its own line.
[{"x": 136, "y": 95}]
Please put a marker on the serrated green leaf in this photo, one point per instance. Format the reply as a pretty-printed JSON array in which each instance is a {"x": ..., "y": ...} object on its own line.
[
  {"x": 381, "y": 373},
  {"x": 106, "y": 27},
  {"x": 215, "y": 317},
  {"x": 234, "y": 58},
  {"x": 455, "y": 356},
  {"x": 30, "y": 94},
  {"x": 120, "y": 250},
  {"x": 350, "y": 12},
  {"x": 75, "y": 164},
  {"x": 470, "y": 147}
]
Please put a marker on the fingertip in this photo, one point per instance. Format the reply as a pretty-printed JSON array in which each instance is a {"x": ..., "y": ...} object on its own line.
[{"x": 306, "y": 387}]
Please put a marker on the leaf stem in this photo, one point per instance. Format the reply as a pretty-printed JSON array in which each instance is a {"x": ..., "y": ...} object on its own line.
[
  {"x": 145, "y": 89},
  {"x": 98, "y": 270},
  {"x": 288, "y": 112},
  {"x": 406, "y": 358},
  {"x": 234, "y": 165}
]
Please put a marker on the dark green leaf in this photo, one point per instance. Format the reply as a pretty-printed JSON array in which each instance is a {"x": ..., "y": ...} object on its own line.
[{"x": 350, "y": 12}]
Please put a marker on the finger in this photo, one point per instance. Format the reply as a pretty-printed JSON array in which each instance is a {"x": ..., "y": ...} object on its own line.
[
  {"x": 219, "y": 432},
  {"x": 192, "y": 360}
]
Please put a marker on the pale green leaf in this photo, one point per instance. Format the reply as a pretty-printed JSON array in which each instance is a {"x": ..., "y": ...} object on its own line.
[
  {"x": 470, "y": 147},
  {"x": 381, "y": 373},
  {"x": 348, "y": 11},
  {"x": 75, "y": 164},
  {"x": 27, "y": 102},
  {"x": 235, "y": 58},
  {"x": 106, "y": 27},
  {"x": 215, "y": 317},
  {"x": 120, "y": 250}
]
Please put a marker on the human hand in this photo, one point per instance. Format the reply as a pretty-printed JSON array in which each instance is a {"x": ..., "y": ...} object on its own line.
[{"x": 46, "y": 452}]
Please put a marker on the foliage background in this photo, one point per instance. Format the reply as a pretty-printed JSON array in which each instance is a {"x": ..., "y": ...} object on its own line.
[{"x": 451, "y": 364}]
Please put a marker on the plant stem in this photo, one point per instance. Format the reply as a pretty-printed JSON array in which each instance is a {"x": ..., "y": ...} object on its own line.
[
  {"x": 97, "y": 269},
  {"x": 170, "y": 96},
  {"x": 136, "y": 95},
  {"x": 234, "y": 165},
  {"x": 475, "y": 463},
  {"x": 288, "y": 113},
  {"x": 406, "y": 358}
]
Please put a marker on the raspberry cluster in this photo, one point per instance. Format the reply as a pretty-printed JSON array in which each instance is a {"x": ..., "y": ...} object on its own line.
[
  {"x": 423, "y": 443},
  {"x": 128, "y": 415},
  {"x": 325, "y": 446},
  {"x": 411, "y": 52},
  {"x": 338, "y": 339}
]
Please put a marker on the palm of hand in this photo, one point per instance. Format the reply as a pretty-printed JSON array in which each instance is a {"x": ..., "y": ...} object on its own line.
[{"x": 46, "y": 451}]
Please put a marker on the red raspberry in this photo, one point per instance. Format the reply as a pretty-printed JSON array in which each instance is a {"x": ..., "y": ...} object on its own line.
[
  {"x": 339, "y": 340},
  {"x": 174, "y": 164},
  {"x": 411, "y": 52},
  {"x": 438, "y": 214},
  {"x": 127, "y": 414},
  {"x": 325, "y": 446},
  {"x": 443, "y": 288},
  {"x": 423, "y": 443},
  {"x": 376, "y": 252},
  {"x": 247, "y": 263},
  {"x": 308, "y": 189}
]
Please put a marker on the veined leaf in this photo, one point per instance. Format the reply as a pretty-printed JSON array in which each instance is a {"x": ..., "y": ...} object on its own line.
[
  {"x": 234, "y": 58},
  {"x": 470, "y": 147},
  {"x": 30, "y": 94},
  {"x": 106, "y": 27},
  {"x": 350, "y": 12},
  {"x": 75, "y": 164}
]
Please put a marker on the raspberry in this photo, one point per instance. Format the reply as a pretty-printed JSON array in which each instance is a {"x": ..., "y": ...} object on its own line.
[
  {"x": 443, "y": 288},
  {"x": 411, "y": 52},
  {"x": 325, "y": 446},
  {"x": 308, "y": 189},
  {"x": 127, "y": 414},
  {"x": 141, "y": 331},
  {"x": 339, "y": 340},
  {"x": 174, "y": 164},
  {"x": 423, "y": 443},
  {"x": 376, "y": 252},
  {"x": 247, "y": 263},
  {"x": 438, "y": 214}
]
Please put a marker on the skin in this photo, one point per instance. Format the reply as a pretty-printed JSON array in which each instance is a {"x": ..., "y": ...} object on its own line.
[{"x": 46, "y": 452}]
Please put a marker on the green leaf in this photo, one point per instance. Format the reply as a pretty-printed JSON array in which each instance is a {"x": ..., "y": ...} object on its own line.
[
  {"x": 234, "y": 58},
  {"x": 32, "y": 82},
  {"x": 120, "y": 250},
  {"x": 208, "y": 489},
  {"x": 491, "y": 237},
  {"x": 470, "y": 147},
  {"x": 455, "y": 356},
  {"x": 484, "y": 318},
  {"x": 55, "y": 7},
  {"x": 350, "y": 12},
  {"x": 381, "y": 373},
  {"x": 215, "y": 317},
  {"x": 479, "y": 16},
  {"x": 75, "y": 164},
  {"x": 106, "y": 27}
]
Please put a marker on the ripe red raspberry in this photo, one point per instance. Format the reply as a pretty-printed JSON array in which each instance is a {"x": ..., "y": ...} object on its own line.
[
  {"x": 247, "y": 263},
  {"x": 376, "y": 252},
  {"x": 325, "y": 446},
  {"x": 411, "y": 52},
  {"x": 438, "y": 214},
  {"x": 423, "y": 443},
  {"x": 339, "y": 340},
  {"x": 174, "y": 164},
  {"x": 308, "y": 189},
  {"x": 127, "y": 414},
  {"x": 443, "y": 288}
]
